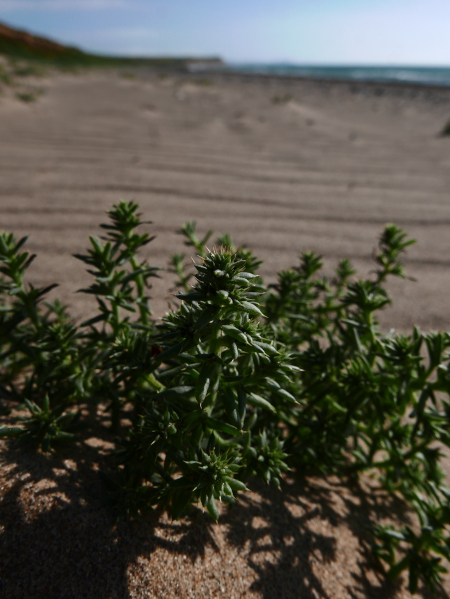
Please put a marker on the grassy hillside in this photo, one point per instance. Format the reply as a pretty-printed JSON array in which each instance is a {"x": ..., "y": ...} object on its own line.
[{"x": 23, "y": 45}]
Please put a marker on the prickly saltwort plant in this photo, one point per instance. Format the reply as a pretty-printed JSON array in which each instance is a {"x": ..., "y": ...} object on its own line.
[
  {"x": 194, "y": 440},
  {"x": 178, "y": 265},
  {"x": 238, "y": 381},
  {"x": 120, "y": 287},
  {"x": 120, "y": 280},
  {"x": 37, "y": 348},
  {"x": 363, "y": 395}
]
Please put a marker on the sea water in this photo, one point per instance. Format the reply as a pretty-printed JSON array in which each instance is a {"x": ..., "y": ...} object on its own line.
[{"x": 417, "y": 75}]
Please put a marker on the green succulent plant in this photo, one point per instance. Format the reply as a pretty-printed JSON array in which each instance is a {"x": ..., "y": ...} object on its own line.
[{"x": 238, "y": 380}]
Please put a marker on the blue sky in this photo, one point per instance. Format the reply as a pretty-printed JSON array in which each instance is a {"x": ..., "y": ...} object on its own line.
[{"x": 415, "y": 32}]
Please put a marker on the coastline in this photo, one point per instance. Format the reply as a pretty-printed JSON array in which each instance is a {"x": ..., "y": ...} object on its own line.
[{"x": 416, "y": 86}]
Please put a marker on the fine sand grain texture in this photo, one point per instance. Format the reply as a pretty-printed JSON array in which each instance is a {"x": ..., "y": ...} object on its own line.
[
  {"x": 308, "y": 540},
  {"x": 284, "y": 166}
]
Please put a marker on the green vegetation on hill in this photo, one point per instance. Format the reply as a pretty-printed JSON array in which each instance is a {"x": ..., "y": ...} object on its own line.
[{"x": 21, "y": 45}]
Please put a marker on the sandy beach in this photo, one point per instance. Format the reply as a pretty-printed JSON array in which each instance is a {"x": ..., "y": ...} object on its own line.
[{"x": 284, "y": 166}]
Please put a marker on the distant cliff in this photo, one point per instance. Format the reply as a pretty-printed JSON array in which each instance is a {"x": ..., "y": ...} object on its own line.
[
  {"x": 24, "y": 45},
  {"x": 200, "y": 64}
]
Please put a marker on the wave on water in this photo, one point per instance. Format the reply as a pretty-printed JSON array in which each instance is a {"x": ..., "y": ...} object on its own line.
[{"x": 439, "y": 76}]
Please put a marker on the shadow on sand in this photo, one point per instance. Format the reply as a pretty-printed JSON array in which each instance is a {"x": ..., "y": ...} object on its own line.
[{"x": 58, "y": 541}]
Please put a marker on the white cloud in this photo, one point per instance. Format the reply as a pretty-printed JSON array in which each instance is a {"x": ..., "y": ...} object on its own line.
[{"x": 14, "y": 5}]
